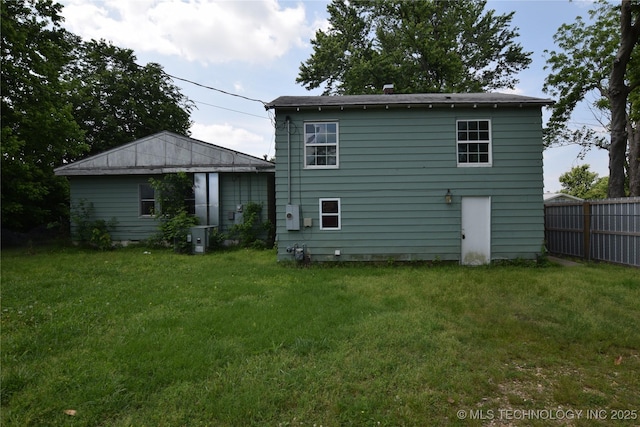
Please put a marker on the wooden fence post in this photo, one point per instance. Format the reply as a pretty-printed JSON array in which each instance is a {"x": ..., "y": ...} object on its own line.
[{"x": 586, "y": 230}]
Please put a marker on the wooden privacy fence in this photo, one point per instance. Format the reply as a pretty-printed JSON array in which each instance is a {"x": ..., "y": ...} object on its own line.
[{"x": 602, "y": 230}]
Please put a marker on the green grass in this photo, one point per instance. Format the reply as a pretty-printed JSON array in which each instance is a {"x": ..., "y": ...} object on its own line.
[{"x": 234, "y": 339}]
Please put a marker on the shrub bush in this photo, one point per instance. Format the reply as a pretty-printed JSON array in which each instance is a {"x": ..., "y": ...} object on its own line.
[
  {"x": 175, "y": 221},
  {"x": 252, "y": 232},
  {"x": 90, "y": 230}
]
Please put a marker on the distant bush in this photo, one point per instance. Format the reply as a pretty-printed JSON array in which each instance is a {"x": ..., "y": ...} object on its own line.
[
  {"x": 90, "y": 230},
  {"x": 252, "y": 232},
  {"x": 175, "y": 221}
]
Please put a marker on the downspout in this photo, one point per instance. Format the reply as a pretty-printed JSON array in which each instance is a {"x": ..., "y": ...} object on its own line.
[{"x": 288, "y": 160}]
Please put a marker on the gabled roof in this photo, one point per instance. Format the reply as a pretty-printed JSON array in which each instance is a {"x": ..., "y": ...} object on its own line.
[
  {"x": 165, "y": 152},
  {"x": 560, "y": 197},
  {"x": 408, "y": 100}
]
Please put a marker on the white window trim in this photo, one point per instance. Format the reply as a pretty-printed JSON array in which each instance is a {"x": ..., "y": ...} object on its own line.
[
  {"x": 475, "y": 165},
  {"x": 339, "y": 214},
  {"x": 304, "y": 142}
]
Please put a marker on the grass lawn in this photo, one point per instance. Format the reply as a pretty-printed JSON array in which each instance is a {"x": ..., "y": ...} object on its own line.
[{"x": 125, "y": 338}]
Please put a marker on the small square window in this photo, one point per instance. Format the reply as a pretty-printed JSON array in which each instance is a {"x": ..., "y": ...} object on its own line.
[{"x": 330, "y": 214}]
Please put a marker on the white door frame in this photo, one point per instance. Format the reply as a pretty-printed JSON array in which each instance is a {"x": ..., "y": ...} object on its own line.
[{"x": 475, "y": 243}]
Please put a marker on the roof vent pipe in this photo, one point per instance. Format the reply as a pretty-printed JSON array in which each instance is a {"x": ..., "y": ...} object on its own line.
[{"x": 387, "y": 89}]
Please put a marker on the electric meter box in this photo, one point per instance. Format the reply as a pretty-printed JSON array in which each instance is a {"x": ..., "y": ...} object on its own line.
[
  {"x": 199, "y": 237},
  {"x": 292, "y": 216}
]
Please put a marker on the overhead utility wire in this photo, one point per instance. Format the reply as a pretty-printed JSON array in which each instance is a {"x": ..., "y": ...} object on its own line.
[
  {"x": 229, "y": 109},
  {"x": 218, "y": 90},
  {"x": 264, "y": 104}
]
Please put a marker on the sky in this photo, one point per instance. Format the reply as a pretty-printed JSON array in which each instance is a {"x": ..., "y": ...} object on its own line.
[{"x": 254, "y": 48}]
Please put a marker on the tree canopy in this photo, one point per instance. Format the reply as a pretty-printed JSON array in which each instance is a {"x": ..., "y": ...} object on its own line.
[
  {"x": 39, "y": 131},
  {"x": 63, "y": 99},
  {"x": 581, "y": 182},
  {"x": 116, "y": 101},
  {"x": 600, "y": 61},
  {"x": 419, "y": 46}
]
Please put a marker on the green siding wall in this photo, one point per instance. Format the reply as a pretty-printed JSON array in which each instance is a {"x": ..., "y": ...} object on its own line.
[
  {"x": 236, "y": 189},
  {"x": 115, "y": 197},
  {"x": 118, "y": 197},
  {"x": 395, "y": 168}
]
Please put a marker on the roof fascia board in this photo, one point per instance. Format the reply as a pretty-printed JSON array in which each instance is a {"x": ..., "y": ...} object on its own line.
[
  {"x": 407, "y": 101},
  {"x": 161, "y": 171},
  {"x": 430, "y": 105}
]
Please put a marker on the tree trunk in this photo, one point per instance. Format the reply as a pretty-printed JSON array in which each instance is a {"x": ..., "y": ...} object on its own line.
[
  {"x": 634, "y": 160},
  {"x": 617, "y": 149},
  {"x": 617, "y": 94}
]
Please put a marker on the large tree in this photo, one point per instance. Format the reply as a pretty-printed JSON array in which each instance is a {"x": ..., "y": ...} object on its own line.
[
  {"x": 116, "y": 101},
  {"x": 63, "y": 99},
  {"x": 38, "y": 128},
  {"x": 419, "y": 46},
  {"x": 621, "y": 84},
  {"x": 600, "y": 61}
]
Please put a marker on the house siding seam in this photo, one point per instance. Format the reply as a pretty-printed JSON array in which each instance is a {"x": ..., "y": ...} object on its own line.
[{"x": 395, "y": 167}]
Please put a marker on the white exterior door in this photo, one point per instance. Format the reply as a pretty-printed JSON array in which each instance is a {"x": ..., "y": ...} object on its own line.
[{"x": 476, "y": 230}]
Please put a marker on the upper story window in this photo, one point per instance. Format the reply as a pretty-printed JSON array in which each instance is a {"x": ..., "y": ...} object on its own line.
[
  {"x": 321, "y": 145},
  {"x": 474, "y": 142},
  {"x": 147, "y": 200}
]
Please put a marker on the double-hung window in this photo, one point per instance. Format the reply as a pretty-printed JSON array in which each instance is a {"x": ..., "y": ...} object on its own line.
[
  {"x": 330, "y": 214},
  {"x": 321, "y": 145},
  {"x": 473, "y": 142},
  {"x": 147, "y": 200}
]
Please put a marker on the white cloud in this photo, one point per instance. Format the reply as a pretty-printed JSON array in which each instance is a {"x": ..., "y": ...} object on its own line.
[
  {"x": 202, "y": 31},
  {"x": 514, "y": 91},
  {"x": 232, "y": 138}
]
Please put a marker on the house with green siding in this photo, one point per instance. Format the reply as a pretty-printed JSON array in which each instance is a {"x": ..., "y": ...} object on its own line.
[
  {"x": 407, "y": 177},
  {"x": 116, "y": 183}
]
